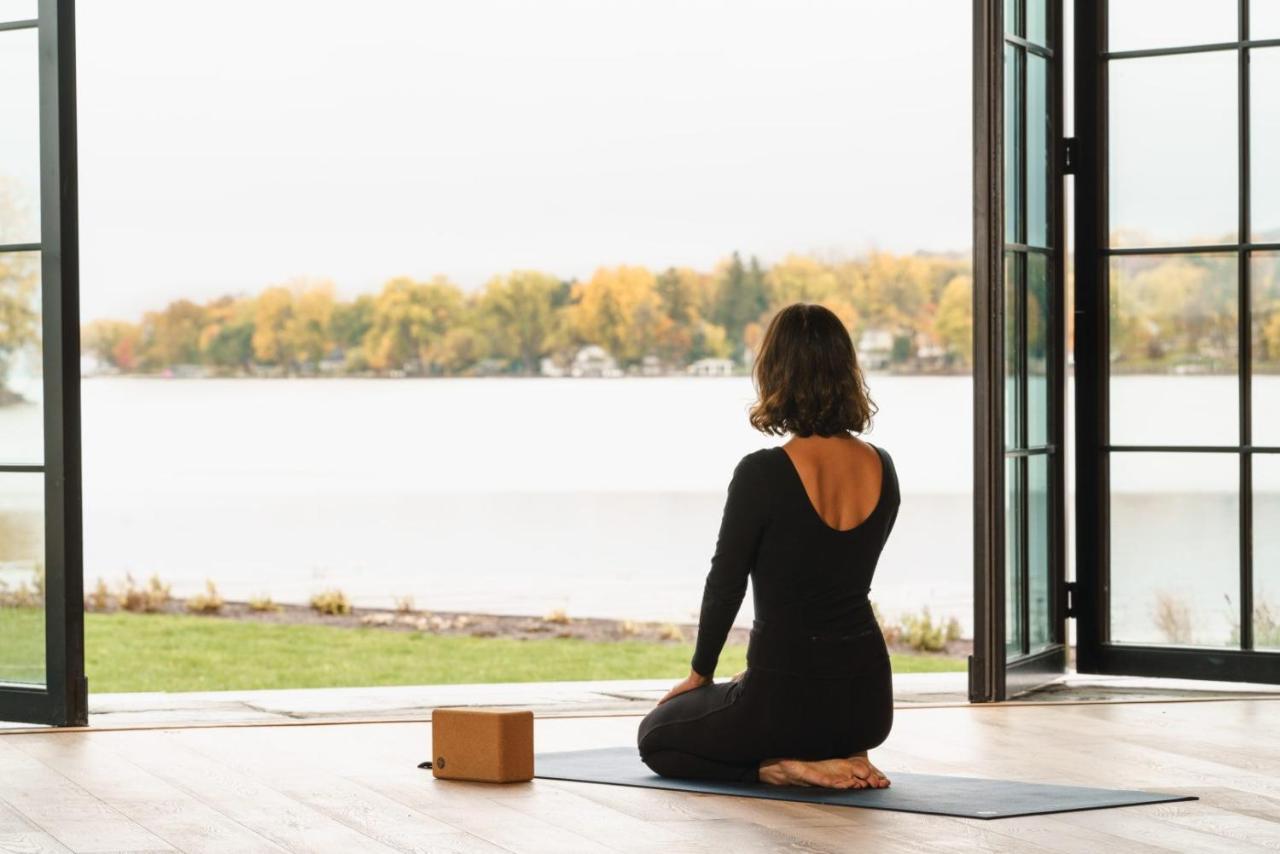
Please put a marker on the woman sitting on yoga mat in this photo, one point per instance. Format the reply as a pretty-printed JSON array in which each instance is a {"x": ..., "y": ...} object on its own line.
[{"x": 806, "y": 522}]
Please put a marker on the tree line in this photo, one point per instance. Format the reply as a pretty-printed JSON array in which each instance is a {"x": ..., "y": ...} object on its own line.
[{"x": 920, "y": 303}]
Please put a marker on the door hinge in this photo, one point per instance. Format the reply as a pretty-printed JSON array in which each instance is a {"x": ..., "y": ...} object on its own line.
[
  {"x": 1069, "y": 597},
  {"x": 1069, "y": 155}
]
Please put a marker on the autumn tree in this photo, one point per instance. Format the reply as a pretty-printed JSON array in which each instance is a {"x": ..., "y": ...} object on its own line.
[
  {"x": 620, "y": 309},
  {"x": 307, "y": 329},
  {"x": 19, "y": 315},
  {"x": 409, "y": 319},
  {"x": 272, "y": 311},
  {"x": 518, "y": 315},
  {"x": 954, "y": 319}
]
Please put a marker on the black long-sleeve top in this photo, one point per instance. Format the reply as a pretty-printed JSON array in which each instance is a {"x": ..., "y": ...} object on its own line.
[{"x": 806, "y": 576}]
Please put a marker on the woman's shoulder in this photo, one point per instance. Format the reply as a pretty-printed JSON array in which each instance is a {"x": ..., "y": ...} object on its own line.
[{"x": 759, "y": 459}]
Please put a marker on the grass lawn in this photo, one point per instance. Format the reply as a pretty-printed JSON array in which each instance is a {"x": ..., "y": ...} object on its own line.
[{"x": 159, "y": 652}]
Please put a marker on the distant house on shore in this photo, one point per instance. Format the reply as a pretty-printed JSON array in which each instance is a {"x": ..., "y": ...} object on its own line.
[
  {"x": 549, "y": 367},
  {"x": 594, "y": 361},
  {"x": 711, "y": 367},
  {"x": 930, "y": 354},
  {"x": 651, "y": 366},
  {"x": 333, "y": 362},
  {"x": 875, "y": 348}
]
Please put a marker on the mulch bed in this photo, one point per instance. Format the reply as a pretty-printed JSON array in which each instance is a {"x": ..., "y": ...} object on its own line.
[{"x": 490, "y": 625}]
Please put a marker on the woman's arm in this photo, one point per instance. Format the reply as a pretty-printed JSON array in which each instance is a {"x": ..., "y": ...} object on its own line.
[{"x": 740, "y": 528}]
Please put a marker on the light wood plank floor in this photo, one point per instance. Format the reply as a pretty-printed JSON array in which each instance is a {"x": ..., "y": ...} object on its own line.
[{"x": 355, "y": 787}]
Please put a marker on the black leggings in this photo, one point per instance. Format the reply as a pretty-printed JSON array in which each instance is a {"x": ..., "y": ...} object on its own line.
[{"x": 724, "y": 730}]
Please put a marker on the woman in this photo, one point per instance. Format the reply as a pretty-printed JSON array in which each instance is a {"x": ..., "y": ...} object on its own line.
[{"x": 806, "y": 522}]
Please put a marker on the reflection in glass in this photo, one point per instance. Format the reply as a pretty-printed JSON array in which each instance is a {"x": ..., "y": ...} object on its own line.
[
  {"x": 1037, "y": 151},
  {"x": 1037, "y": 349},
  {"x": 1264, "y": 149},
  {"x": 1144, "y": 24},
  {"x": 1174, "y": 348},
  {"x": 1173, "y": 154},
  {"x": 1265, "y": 293},
  {"x": 1264, "y": 19},
  {"x": 1175, "y": 553},
  {"x": 1012, "y": 145},
  {"x": 19, "y": 137},
  {"x": 21, "y": 384},
  {"x": 1038, "y": 551},
  {"x": 1013, "y": 402},
  {"x": 1036, "y": 22},
  {"x": 1013, "y": 533},
  {"x": 1266, "y": 551},
  {"x": 18, "y": 10},
  {"x": 22, "y": 657}
]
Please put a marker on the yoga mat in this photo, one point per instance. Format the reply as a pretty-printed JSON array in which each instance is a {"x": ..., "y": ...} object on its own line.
[{"x": 962, "y": 797}]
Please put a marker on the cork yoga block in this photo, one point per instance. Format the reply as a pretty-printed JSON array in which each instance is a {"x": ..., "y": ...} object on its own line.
[{"x": 489, "y": 745}]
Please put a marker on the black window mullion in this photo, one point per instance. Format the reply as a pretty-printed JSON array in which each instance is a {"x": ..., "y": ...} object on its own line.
[{"x": 1244, "y": 360}]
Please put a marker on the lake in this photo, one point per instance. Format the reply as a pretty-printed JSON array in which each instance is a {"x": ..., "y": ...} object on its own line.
[{"x": 598, "y": 496}]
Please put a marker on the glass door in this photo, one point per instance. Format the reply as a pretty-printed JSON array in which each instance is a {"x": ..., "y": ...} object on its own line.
[
  {"x": 1178, "y": 348},
  {"x": 41, "y": 587},
  {"x": 1018, "y": 327}
]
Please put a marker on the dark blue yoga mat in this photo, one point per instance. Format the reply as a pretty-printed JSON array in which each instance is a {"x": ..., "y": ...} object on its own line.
[{"x": 963, "y": 797}]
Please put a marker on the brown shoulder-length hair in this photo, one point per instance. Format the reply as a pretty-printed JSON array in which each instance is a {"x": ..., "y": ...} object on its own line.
[{"x": 807, "y": 376}]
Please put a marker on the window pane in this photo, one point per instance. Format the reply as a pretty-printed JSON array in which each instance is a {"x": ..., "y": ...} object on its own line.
[
  {"x": 1264, "y": 147},
  {"x": 1142, "y": 24},
  {"x": 1037, "y": 349},
  {"x": 22, "y": 576},
  {"x": 1012, "y": 145},
  {"x": 21, "y": 384},
  {"x": 1265, "y": 291},
  {"x": 1174, "y": 347},
  {"x": 1264, "y": 19},
  {"x": 1175, "y": 556},
  {"x": 1174, "y": 150},
  {"x": 1266, "y": 551},
  {"x": 1013, "y": 402},
  {"x": 1014, "y": 530},
  {"x": 1013, "y": 17},
  {"x": 1037, "y": 151},
  {"x": 1038, "y": 550},
  {"x": 1036, "y": 22},
  {"x": 18, "y": 10},
  {"x": 19, "y": 137}
]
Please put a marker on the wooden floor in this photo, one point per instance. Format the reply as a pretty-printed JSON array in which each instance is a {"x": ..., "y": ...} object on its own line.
[{"x": 355, "y": 787}]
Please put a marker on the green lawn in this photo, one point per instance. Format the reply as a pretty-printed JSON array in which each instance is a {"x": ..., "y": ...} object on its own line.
[{"x": 154, "y": 652}]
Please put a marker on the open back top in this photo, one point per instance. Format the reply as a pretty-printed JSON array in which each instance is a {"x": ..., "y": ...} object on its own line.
[{"x": 808, "y": 579}]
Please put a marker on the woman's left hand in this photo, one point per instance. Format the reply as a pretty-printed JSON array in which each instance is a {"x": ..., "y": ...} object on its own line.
[{"x": 693, "y": 680}]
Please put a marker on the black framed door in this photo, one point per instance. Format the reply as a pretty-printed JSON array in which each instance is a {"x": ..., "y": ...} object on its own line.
[
  {"x": 1019, "y": 336},
  {"x": 42, "y": 599},
  {"x": 1178, "y": 338}
]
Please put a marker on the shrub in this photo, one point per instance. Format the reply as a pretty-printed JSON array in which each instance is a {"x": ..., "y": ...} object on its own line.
[
  {"x": 331, "y": 602},
  {"x": 1173, "y": 618},
  {"x": 922, "y": 633},
  {"x": 263, "y": 605},
  {"x": 404, "y": 605},
  {"x": 627, "y": 628},
  {"x": 558, "y": 616},
  {"x": 151, "y": 598},
  {"x": 892, "y": 631},
  {"x": 671, "y": 631},
  {"x": 953, "y": 629},
  {"x": 208, "y": 602},
  {"x": 100, "y": 598}
]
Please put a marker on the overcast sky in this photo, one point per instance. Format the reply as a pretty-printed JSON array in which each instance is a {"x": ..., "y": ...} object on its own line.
[{"x": 231, "y": 145}]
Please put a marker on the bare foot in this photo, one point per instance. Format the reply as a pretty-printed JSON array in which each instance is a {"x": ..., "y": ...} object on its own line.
[
  {"x": 830, "y": 773},
  {"x": 863, "y": 768}
]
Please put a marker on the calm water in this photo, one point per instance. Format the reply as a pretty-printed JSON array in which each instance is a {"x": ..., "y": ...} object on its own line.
[{"x": 602, "y": 497}]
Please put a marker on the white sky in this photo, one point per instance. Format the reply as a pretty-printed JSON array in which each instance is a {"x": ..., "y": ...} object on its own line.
[{"x": 227, "y": 146}]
